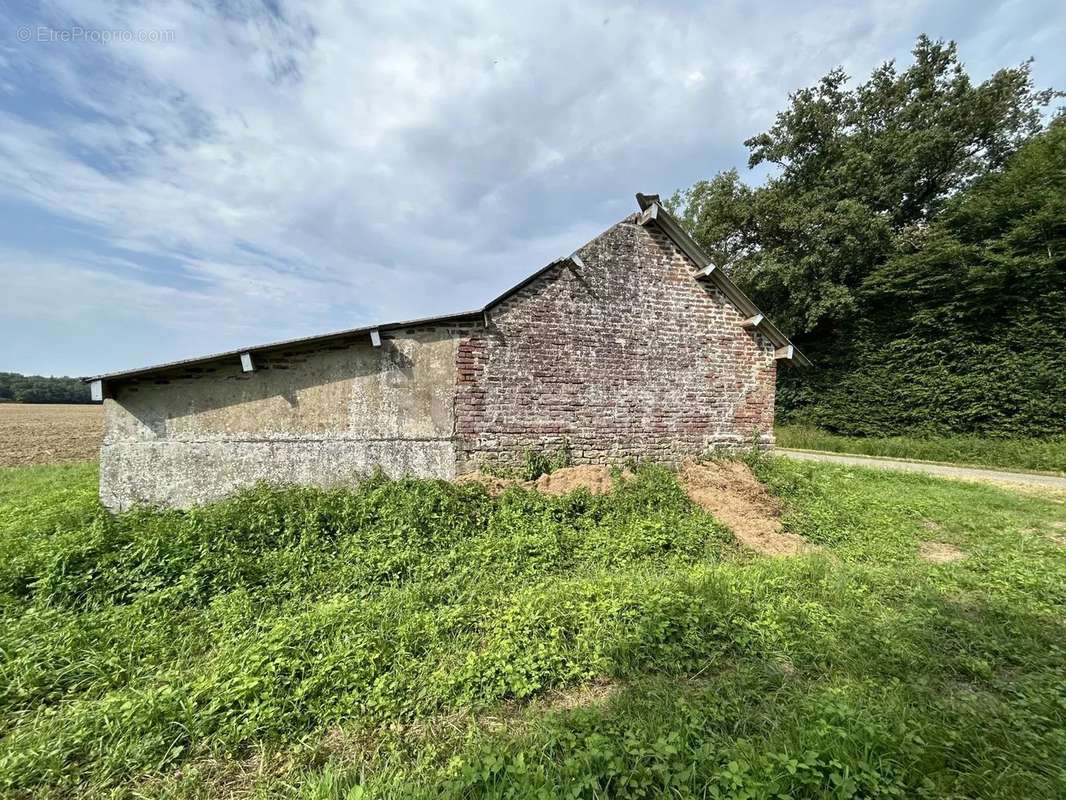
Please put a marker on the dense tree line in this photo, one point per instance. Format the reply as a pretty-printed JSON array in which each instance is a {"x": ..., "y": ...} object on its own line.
[
  {"x": 15, "y": 388},
  {"x": 912, "y": 240}
]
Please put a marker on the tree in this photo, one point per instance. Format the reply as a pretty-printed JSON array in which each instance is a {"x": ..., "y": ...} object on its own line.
[
  {"x": 963, "y": 328},
  {"x": 856, "y": 166},
  {"x": 719, "y": 214},
  {"x": 15, "y": 388}
]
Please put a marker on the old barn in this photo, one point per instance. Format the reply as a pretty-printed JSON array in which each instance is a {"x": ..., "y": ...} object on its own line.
[{"x": 634, "y": 346}]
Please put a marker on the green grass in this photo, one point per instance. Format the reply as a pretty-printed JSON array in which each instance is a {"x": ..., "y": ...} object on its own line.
[
  {"x": 1048, "y": 455},
  {"x": 419, "y": 639}
]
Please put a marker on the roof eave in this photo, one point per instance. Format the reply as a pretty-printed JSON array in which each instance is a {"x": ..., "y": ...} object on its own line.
[
  {"x": 280, "y": 345},
  {"x": 524, "y": 283},
  {"x": 654, "y": 212}
]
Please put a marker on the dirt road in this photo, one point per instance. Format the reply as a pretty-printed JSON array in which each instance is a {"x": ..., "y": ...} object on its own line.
[{"x": 930, "y": 468}]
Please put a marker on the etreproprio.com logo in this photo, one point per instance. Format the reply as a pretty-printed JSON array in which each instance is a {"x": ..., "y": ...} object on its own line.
[{"x": 78, "y": 34}]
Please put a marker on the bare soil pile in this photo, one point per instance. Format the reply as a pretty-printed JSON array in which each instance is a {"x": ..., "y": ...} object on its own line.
[
  {"x": 595, "y": 478},
  {"x": 734, "y": 496}
]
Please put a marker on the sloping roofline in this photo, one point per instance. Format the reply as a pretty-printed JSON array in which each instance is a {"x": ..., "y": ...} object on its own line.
[
  {"x": 652, "y": 212},
  {"x": 280, "y": 345}
]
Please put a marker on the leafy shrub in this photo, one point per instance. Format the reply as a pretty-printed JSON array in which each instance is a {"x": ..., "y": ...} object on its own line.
[{"x": 538, "y": 462}]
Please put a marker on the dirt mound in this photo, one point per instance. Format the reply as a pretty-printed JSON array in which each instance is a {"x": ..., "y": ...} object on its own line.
[
  {"x": 734, "y": 496},
  {"x": 596, "y": 479},
  {"x": 939, "y": 552},
  {"x": 494, "y": 484}
]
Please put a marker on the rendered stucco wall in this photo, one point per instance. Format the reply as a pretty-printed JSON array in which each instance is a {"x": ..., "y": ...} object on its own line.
[
  {"x": 627, "y": 356},
  {"x": 320, "y": 415}
]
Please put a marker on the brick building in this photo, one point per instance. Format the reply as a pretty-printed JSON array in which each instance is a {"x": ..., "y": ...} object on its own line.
[{"x": 634, "y": 346}]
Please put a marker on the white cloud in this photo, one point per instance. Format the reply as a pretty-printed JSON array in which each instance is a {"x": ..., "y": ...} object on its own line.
[{"x": 330, "y": 165}]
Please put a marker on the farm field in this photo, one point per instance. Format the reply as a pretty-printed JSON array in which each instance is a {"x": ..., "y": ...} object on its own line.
[
  {"x": 49, "y": 433},
  {"x": 425, "y": 639}
]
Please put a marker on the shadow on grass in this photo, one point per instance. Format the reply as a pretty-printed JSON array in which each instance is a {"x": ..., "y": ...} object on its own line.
[{"x": 952, "y": 698}]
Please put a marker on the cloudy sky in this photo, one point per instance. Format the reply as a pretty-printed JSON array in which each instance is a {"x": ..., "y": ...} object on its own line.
[{"x": 178, "y": 178}]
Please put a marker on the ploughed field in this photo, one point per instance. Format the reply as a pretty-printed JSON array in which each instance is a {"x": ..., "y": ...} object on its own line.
[
  {"x": 49, "y": 433},
  {"x": 766, "y": 629}
]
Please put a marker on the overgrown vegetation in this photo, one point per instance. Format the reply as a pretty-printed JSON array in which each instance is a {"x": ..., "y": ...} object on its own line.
[
  {"x": 387, "y": 642},
  {"x": 535, "y": 462},
  {"x": 1028, "y": 454},
  {"x": 15, "y": 388},
  {"x": 913, "y": 242},
  {"x": 539, "y": 463}
]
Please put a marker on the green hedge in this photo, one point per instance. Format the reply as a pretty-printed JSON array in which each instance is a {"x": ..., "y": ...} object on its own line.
[{"x": 963, "y": 330}]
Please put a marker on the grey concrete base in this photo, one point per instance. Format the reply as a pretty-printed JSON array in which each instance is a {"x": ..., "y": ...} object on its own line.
[{"x": 185, "y": 473}]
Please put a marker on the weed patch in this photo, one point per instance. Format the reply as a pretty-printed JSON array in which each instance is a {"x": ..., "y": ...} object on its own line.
[{"x": 425, "y": 639}]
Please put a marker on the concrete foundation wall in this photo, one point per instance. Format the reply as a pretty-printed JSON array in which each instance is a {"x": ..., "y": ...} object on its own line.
[{"x": 321, "y": 415}]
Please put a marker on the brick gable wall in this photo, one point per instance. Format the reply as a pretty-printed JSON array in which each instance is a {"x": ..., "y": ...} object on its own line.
[{"x": 628, "y": 356}]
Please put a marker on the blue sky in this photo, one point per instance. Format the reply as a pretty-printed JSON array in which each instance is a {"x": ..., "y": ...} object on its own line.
[{"x": 234, "y": 173}]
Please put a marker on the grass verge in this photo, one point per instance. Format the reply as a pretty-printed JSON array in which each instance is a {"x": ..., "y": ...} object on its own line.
[
  {"x": 420, "y": 639},
  {"x": 1043, "y": 455}
]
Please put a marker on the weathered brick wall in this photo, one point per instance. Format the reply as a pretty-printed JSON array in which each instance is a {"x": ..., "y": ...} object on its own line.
[
  {"x": 625, "y": 356},
  {"x": 628, "y": 356}
]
